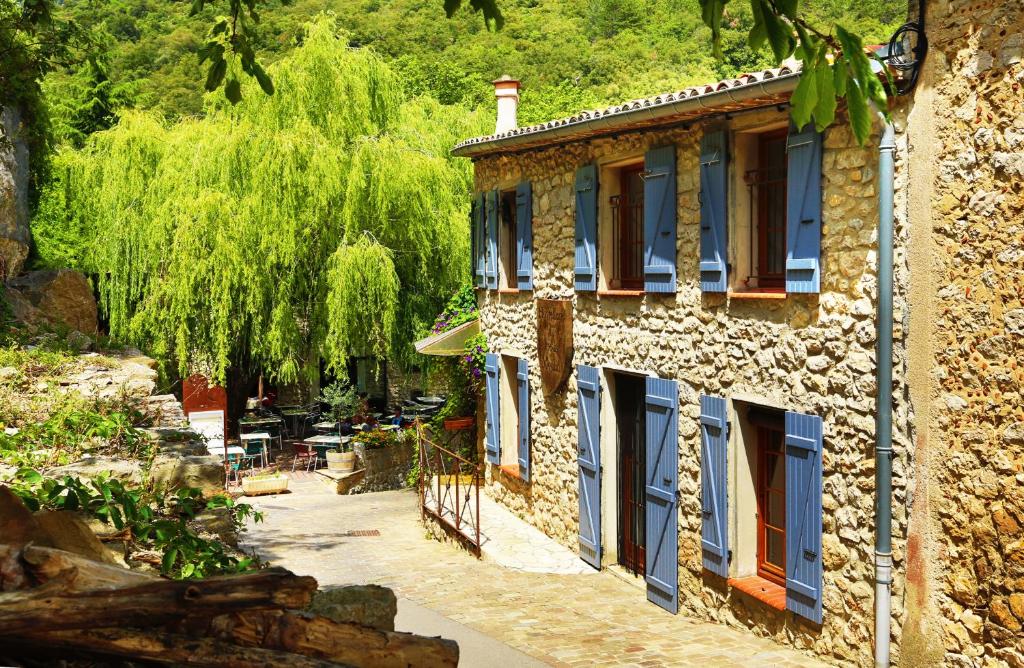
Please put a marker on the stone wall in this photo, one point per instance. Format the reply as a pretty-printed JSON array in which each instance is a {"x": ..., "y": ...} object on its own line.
[
  {"x": 14, "y": 231},
  {"x": 809, "y": 353},
  {"x": 966, "y": 546}
]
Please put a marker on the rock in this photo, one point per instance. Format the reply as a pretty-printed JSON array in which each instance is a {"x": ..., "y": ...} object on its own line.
[
  {"x": 8, "y": 373},
  {"x": 61, "y": 296},
  {"x": 369, "y": 605},
  {"x": 15, "y": 237},
  {"x": 972, "y": 621},
  {"x": 92, "y": 467},
  {"x": 217, "y": 521},
  {"x": 68, "y": 532},
  {"x": 78, "y": 341},
  {"x": 204, "y": 472}
]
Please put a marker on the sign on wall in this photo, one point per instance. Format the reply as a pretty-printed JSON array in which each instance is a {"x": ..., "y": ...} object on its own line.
[{"x": 554, "y": 342}]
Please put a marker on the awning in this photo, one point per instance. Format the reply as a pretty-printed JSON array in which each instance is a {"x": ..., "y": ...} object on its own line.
[{"x": 452, "y": 342}]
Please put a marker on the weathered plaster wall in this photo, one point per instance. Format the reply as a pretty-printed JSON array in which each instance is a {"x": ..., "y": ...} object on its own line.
[
  {"x": 813, "y": 354},
  {"x": 966, "y": 589}
]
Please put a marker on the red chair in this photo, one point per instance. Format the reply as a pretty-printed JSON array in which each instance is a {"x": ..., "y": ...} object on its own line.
[{"x": 306, "y": 452}]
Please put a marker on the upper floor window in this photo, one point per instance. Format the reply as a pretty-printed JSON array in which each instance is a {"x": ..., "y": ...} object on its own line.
[
  {"x": 627, "y": 213},
  {"x": 507, "y": 238},
  {"x": 767, "y": 185}
]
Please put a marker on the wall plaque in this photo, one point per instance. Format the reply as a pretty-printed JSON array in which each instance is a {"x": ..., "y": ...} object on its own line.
[{"x": 554, "y": 342}]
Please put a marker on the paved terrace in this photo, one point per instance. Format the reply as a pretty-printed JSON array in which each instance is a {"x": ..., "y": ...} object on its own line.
[{"x": 501, "y": 611}]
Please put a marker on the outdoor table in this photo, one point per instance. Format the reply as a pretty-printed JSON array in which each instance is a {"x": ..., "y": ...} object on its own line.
[
  {"x": 326, "y": 426},
  {"x": 430, "y": 400},
  {"x": 295, "y": 415},
  {"x": 265, "y": 421},
  {"x": 389, "y": 427},
  {"x": 261, "y": 436},
  {"x": 325, "y": 442}
]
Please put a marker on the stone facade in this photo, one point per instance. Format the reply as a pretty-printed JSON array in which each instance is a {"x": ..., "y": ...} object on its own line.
[
  {"x": 966, "y": 544},
  {"x": 15, "y": 237},
  {"x": 807, "y": 353}
]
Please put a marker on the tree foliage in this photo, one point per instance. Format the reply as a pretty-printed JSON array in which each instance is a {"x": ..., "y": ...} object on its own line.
[{"x": 283, "y": 228}]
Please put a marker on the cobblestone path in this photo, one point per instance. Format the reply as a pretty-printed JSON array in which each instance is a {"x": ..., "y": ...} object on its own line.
[{"x": 562, "y": 620}]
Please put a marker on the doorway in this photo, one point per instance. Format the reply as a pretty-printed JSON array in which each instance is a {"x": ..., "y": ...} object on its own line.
[{"x": 631, "y": 445}]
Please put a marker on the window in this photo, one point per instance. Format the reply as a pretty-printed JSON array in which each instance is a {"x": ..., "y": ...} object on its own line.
[
  {"x": 771, "y": 494},
  {"x": 507, "y": 239},
  {"x": 508, "y": 399},
  {"x": 622, "y": 227},
  {"x": 765, "y": 182}
]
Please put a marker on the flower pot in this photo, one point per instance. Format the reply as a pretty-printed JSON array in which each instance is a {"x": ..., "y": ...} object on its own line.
[
  {"x": 459, "y": 423},
  {"x": 342, "y": 462},
  {"x": 264, "y": 485}
]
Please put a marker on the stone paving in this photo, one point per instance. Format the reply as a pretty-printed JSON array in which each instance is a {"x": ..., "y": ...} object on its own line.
[{"x": 561, "y": 619}]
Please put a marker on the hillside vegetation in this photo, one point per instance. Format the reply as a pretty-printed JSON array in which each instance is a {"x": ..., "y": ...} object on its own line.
[{"x": 569, "y": 55}]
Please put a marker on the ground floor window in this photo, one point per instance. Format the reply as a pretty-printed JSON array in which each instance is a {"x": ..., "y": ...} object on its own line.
[
  {"x": 771, "y": 495},
  {"x": 631, "y": 471}
]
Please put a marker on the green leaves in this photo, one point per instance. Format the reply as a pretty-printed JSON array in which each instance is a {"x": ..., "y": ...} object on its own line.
[
  {"x": 489, "y": 8},
  {"x": 834, "y": 68}
]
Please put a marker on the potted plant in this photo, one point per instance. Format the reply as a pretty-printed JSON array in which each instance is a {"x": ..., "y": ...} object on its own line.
[
  {"x": 267, "y": 483},
  {"x": 341, "y": 398},
  {"x": 341, "y": 461}
]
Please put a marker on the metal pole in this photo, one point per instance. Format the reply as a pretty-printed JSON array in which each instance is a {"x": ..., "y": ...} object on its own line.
[{"x": 883, "y": 411}]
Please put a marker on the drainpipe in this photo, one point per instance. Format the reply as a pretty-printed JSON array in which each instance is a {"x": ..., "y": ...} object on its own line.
[{"x": 883, "y": 411}]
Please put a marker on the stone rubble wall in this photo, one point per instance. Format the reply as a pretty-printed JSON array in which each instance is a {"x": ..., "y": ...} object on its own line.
[
  {"x": 966, "y": 595},
  {"x": 814, "y": 354}
]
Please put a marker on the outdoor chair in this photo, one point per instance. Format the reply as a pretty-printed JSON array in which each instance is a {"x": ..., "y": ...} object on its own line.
[
  {"x": 306, "y": 453},
  {"x": 253, "y": 452}
]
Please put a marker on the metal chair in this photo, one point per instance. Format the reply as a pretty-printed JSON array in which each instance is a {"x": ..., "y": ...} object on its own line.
[{"x": 305, "y": 452}]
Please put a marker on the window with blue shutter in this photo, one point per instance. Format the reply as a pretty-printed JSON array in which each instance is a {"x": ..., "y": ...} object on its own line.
[
  {"x": 661, "y": 493},
  {"x": 492, "y": 391},
  {"x": 660, "y": 220},
  {"x": 523, "y": 379},
  {"x": 588, "y": 385},
  {"x": 586, "y": 228},
  {"x": 803, "y": 515},
  {"x": 479, "y": 241},
  {"x": 714, "y": 484},
  {"x": 803, "y": 210},
  {"x": 713, "y": 207},
  {"x": 491, "y": 267},
  {"x": 524, "y": 236}
]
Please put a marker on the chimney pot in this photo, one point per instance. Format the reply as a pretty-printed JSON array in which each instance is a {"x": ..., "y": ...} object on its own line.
[{"x": 506, "y": 89}]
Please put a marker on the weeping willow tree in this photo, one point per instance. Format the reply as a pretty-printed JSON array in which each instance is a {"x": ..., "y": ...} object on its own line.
[{"x": 325, "y": 221}]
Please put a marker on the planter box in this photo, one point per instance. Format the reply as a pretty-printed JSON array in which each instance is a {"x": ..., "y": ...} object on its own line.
[
  {"x": 342, "y": 462},
  {"x": 459, "y": 423},
  {"x": 257, "y": 486}
]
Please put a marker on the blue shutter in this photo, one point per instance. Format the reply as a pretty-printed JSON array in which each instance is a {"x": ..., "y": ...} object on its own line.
[
  {"x": 803, "y": 515},
  {"x": 713, "y": 234},
  {"x": 660, "y": 220},
  {"x": 523, "y": 377},
  {"x": 661, "y": 493},
  {"x": 491, "y": 269},
  {"x": 479, "y": 241},
  {"x": 586, "y": 228},
  {"x": 589, "y": 459},
  {"x": 492, "y": 442},
  {"x": 803, "y": 211},
  {"x": 714, "y": 485},
  {"x": 524, "y": 236}
]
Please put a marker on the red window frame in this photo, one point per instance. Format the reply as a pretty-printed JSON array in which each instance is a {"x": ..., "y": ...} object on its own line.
[
  {"x": 770, "y": 444},
  {"x": 628, "y": 235}
]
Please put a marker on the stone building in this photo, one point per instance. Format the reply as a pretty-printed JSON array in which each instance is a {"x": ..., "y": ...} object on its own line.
[{"x": 714, "y": 436}]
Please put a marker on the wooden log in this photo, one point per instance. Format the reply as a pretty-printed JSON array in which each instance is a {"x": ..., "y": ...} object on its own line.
[
  {"x": 12, "y": 571},
  {"x": 162, "y": 647},
  {"x": 151, "y": 603},
  {"x": 320, "y": 637},
  {"x": 78, "y": 573}
]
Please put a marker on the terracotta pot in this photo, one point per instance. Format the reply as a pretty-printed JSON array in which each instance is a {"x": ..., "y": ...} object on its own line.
[
  {"x": 459, "y": 423},
  {"x": 342, "y": 462}
]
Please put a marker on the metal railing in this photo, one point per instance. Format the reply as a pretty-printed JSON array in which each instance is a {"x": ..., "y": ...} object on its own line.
[{"x": 449, "y": 489}]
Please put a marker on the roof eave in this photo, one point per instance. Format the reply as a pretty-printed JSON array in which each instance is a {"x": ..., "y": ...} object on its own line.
[{"x": 694, "y": 106}]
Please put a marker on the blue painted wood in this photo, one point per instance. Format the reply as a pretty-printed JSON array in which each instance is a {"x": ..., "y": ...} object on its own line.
[
  {"x": 524, "y": 236},
  {"x": 803, "y": 210},
  {"x": 713, "y": 208},
  {"x": 660, "y": 220},
  {"x": 803, "y": 515},
  {"x": 491, "y": 269},
  {"x": 586, "y": 229},
  {"x": 479, "y": 241},
  {"x": 714, "y": 484},
  {"x": 588, "y": 385},
  {"x": 662, "y": 493},
  {"x": 492, "y": 391},
  {"x": 523, "y": 379}
]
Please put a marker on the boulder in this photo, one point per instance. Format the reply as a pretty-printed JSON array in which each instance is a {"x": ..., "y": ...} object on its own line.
[
  {"x": 127, "y": 471},
  {"x": 217, "y": 521},
  {"x": 204, "y": 472},
  {"x": 369, "y": 605},
  {"x": 60, "y": 296},
  {"x": 69, "y": 533},
  {"x": 14, "y": 176}
]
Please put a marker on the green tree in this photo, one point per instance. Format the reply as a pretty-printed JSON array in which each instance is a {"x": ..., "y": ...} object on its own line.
[{"x": 286, "y": 229}]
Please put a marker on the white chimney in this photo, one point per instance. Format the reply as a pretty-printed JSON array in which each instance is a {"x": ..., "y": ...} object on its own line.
[{"x": 506, "y": 89}]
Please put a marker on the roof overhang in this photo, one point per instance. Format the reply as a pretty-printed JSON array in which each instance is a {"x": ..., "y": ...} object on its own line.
[
  {"x": 452, "y": 342},
  {"x": 747, "y": 92}
]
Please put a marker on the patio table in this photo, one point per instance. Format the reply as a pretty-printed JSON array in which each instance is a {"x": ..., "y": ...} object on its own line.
[
  {"x": 261, "y": 436},
  {"x": 326, "y": 426}
]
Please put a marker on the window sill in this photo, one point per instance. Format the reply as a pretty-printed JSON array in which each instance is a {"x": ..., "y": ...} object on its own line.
[
  {"x": 509, "y": 291},
  {"x": 755, "y": 294},
  {"x": 511, "y": 470},
  {"x": 620, "y": 293},
  {"x": 766, "y": 591}
]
